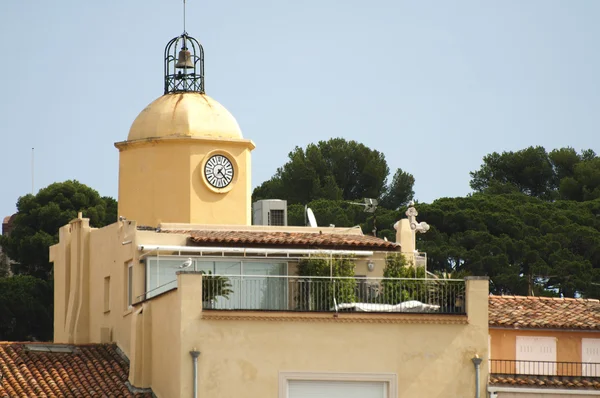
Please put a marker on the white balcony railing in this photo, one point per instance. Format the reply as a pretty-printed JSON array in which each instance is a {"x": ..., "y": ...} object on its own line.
[{"x": 325, "y": 294}]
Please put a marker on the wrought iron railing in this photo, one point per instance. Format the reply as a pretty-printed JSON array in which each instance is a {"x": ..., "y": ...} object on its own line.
[
  {"x": 337, "y": 294},
  {"x": 543, "y": 368}
]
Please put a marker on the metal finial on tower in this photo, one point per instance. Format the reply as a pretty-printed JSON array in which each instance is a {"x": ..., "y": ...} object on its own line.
[{"x": 184, "y": 17}]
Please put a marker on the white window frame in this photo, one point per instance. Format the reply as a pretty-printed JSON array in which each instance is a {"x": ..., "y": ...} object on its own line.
[
  {"x": 588, "y": 369},
  {"x": 195, "y": 259},
  {"x": 390, "y": 379}
]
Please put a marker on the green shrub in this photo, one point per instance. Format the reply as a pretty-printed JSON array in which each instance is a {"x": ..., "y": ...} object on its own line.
[
  {"x": 397, "y": 291},
  {"x": 214, "y": 286},
  {"x": 318, "y": 294}
]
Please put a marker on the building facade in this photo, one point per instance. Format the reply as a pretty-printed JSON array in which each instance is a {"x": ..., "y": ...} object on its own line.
[
  {"x": 202, "y": 303},
  {"x": 544, "y": 347}
]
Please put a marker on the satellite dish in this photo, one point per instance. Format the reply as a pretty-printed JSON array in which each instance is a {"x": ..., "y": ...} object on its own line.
[{"x": 312, "y": 221}]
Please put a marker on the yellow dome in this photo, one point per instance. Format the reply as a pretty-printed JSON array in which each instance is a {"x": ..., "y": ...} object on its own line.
[{"x": 184, "y": 115}]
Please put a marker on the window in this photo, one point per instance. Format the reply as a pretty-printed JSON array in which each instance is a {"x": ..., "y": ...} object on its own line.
[
  {"x": 107, "y": 294},
  {"x": 590, "y": 356},
  {"x": 129, "y": 284},
  {"x": 337, "y": 385},
  {"x": 161, "y": 274},
  {"x": 336, "y": 389},
  {"x": 251, "y": 286},
  {"x": 536, "y": 355}
]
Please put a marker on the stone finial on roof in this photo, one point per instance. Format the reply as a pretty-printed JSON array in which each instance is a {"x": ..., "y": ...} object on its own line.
[{"x": 407, "y": 228}]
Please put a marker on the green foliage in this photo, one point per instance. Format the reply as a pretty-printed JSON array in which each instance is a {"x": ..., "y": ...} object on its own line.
[
  {"x": 529, "y": 171},
  {"x": 26, "y": 310},
  {"x": 344, "y": 214},
  {"x": 397, "y": 291},
  {"x": 328, "y": 212},
  {"x": 335, "y": 170},
  {"x": 214, "y": 286},
  {"x": 319, "y": 294},
  {"x": 532, "y": 227},
  {"x": 4, "y": 265},
  {"x": 400, "y": 191},
  {"x": 560, "y": 174},
  {"x": 39, "y": 217},
  {"x": 524, "y": 244}
]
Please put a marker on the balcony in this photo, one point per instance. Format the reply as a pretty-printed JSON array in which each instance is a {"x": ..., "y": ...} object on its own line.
[
  {"x": 332, "y": 294},
  {"x": 511, "y": 369}
]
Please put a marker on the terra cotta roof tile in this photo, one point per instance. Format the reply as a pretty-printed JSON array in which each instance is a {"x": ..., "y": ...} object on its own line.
[
  {"x": 90, "y": 370},
  {"x": 544, "y": 312},
  {"x": 291, "y": 239}
]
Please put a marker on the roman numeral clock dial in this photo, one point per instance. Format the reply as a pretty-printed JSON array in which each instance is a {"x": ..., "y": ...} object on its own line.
[{"x": 218, "y": 171}]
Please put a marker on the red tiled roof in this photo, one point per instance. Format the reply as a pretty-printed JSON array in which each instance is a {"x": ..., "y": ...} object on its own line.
[
  {"x": 545, "y": 381},
  {"x": 91, "y": 370},
  {"x": 291, "y": 239},
  {"x": 544, "y": 312}
]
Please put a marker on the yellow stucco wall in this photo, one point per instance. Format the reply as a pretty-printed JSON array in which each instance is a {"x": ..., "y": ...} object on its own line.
[
  {"x": 110, "y": 258},
  {"x": 71, "y": 259},
  {"x": 166, "y": 342},
  {"x": 244, "y": 357},
  {"x": 162, "y": 181},
  {"x": 83, "y": 260}
]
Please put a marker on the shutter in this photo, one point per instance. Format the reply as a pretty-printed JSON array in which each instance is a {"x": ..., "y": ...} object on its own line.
[
  {"x": 336, "y": 389},
  {"x": 536, "y": 355},
  {"x": 590, "y": 355}
]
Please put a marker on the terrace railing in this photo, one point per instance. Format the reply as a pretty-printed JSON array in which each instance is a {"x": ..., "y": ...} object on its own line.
[
  {"x": 543, "y": 368},
  {"x": 333, "y": 294}
]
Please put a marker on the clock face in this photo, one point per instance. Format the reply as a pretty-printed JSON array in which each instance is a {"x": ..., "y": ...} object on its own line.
[{"x": 218, "y": 171}]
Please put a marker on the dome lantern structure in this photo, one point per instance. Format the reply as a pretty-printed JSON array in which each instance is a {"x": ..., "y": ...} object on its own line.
[
  {"x": 184, "y": 65},
  {"x": 163, "y": 172}
]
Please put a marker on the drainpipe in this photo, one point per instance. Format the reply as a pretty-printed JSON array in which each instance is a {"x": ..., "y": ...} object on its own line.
[
  {"x": 476, "y": 361},
  {"x": 195, "y": 354}
]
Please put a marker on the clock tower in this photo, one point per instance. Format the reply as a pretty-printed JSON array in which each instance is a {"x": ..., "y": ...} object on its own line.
[{"x": 185, "y": 160}]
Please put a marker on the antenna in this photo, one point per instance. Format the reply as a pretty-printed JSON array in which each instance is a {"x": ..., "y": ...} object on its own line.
[
  {"x": 184, "y": 16},
  {"x": 369, "y": 204},
  {"x": 32, "y": 170},
  {"x": 305, "y": 208},
  {"x": 370, "y": 207},
  {"x": 312, "y": 221}
]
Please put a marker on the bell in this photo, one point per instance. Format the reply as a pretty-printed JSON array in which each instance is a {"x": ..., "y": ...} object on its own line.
[{"x": 184, "y": 60}]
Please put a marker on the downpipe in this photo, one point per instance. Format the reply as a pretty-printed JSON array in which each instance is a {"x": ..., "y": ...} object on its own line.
[
  {"x": 195, "y": 354},
  {"x": 476, "y": 362}
]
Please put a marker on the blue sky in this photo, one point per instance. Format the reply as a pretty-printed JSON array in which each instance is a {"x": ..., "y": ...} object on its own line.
[{"x": 434, "y": 85}]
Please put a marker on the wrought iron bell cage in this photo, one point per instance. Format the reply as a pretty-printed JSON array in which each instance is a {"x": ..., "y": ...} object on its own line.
[{"x": 184, "y": 65}]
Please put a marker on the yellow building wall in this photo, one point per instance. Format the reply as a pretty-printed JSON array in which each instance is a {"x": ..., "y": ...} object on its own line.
[
  {"x": 161, "y": 181},
  {"x": 71, "y": 282},
  {"x": 90, "y": 284},
  {"x": 166, "y": 342},
  {"x": 241, "y": 357},
  {"x": 110, "y": 259}
]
